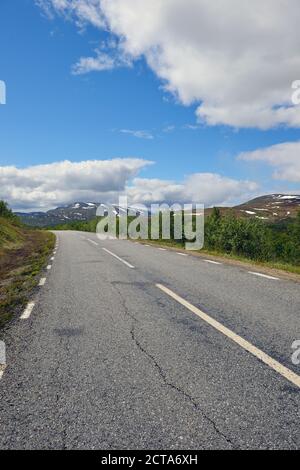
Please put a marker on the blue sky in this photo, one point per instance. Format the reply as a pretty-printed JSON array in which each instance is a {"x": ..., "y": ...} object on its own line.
[{"x": 53, "y": 115}]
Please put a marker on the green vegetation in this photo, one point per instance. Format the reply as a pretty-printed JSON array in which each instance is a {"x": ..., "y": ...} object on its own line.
[
  {"x": 254, "y": 239},
  {"x": 86, "y": 226},
  {"x": 276, "y": 245},
  {"x": 23, "y": 252}
]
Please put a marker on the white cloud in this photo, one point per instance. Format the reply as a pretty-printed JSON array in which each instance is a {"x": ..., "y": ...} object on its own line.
[
  {"x": 93, "y": 64},
  {"x": 169, "y": 129},
  {"x": 236, "y": 59},
  {"x": 83, "y": 11},
  {"x": 42, "y": 187},
  {"x": 140, "y": 134},
  {"x": 285, "y": 158},
  {"x": 100, "y": 62},
  {"x": 202, "y": 188}
]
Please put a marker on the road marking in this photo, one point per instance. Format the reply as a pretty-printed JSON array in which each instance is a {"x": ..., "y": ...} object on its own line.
[
  {"x": 147, "y": 245},
  {"x": 181, "y": 254},
  {"x": 263, "y": 275},
  {"x": 162, "y": 249},
  {"x": 52, "y": 259},
  {"x": 42, "y": 282},
  {"x": 2, "y": 358},
  {"x": 120, "y": 259},
  {"x": 272, "y": 363},
  {"x": 92, "y": 241},
  {"x": 212, "y": 262},
  {"x": 27, "y": 312},
  {"x": 49, "y": 267}
]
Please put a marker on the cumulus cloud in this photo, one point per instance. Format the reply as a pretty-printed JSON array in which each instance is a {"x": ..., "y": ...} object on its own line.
[
  {"x": 202, "y": 188},
  {"x": 43, "y": 187},
  {"x": 283, "y": 157},
  {"x": 236, "y": 59}
]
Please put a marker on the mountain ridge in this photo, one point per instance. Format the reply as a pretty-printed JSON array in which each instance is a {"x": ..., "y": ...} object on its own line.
[{"x": 268, "y": 208}]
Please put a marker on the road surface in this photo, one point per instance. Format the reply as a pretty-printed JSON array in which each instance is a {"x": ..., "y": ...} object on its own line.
[{"x": 126, "y": 346}]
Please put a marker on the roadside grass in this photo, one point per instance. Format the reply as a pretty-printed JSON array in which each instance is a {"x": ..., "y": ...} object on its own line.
[{"x": 22, "y": 256}]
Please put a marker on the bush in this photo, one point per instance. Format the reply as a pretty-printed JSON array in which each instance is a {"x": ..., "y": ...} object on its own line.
[{"x": 243, "y": 237}]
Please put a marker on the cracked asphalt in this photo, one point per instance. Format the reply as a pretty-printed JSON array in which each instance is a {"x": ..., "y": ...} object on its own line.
[{"x": 108, "y": 361}]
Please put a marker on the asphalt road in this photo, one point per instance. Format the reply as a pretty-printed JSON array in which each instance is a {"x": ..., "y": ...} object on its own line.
[{"x": 105, "y": 358}]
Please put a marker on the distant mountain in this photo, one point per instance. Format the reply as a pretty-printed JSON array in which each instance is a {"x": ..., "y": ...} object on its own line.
[
  {"x": 271, "y": 208},
  {"x": 78, "y": 211}
]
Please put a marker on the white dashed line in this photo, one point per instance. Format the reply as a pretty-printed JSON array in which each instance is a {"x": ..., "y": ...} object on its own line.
[
  {"x": 212, "y": 262},
  {"x": 2, "y": 358},
  {"x": 162, "y": 249},
  {"x": 269, "y": 361},
  {"x": 181, "y": 254},
  {"x": 27, "y": 312},
  {"x": 118, "y": 258},
  {"x": 52, "y": 259},
  {"x": 263, "y": 275},
  {"x": 49, "y": 267},
  {"x": 92, "y": 241},
  {"x": 42, "y": 282}
]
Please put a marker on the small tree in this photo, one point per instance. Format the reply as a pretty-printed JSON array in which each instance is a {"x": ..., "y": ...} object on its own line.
[{"x": 5, "y": 211}]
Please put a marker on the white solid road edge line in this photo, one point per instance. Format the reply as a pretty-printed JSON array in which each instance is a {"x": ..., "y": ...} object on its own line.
[
  {"x": 263, "y": 275},
  {"x": 272, "y": 363},
  {"x": 27, "y": 312},
  {"x": 42, "y": 282},
  {"x": 120, "y": 259}
]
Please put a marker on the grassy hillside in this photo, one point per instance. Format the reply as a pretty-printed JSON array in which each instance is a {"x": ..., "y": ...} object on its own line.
[{"x": 23, "y": 252}]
